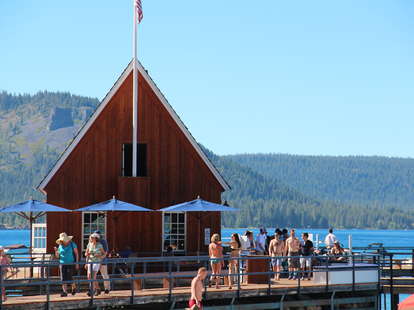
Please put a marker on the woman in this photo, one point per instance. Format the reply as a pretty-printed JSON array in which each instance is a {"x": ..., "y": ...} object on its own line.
[
  {"x": 215, "y": 251},
  {"x": 68, "y": 255},
  {"x": 95, "y": 253},
  {"x": 235, "y": 246},
  {"x": 4, "y": 262},
  {"x": 337, "y": 252}
]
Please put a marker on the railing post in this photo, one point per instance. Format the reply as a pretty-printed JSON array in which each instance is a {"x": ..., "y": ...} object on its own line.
[
  {"x": 353, "y": 272},
  {"x": 391, "y": 281},
  {"x": 238, "y": 277},
  {"x": 144, "y": 272},
  {"x": 131, "y": 301},
  {"x": 170, "y": 281},
  {"x": 327, "y": 274},
  {"x": 48, "y": 285},
  {"x": 269, "y": 274}
]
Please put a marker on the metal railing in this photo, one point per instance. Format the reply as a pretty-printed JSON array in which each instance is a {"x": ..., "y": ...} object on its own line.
[{"x": 125, "y": 273}]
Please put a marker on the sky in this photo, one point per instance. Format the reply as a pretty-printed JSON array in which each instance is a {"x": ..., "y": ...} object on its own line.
[{"x": 300, "y": 77}]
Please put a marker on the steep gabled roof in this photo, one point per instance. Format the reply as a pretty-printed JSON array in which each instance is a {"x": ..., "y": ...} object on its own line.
[{"x": 102, "y": 106}]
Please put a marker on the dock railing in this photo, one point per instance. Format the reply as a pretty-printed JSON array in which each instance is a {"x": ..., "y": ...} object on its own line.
[{"x": 133, "y": 274}]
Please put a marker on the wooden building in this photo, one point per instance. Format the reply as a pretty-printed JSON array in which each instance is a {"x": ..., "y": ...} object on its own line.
[{"x": 97, "y": 165}]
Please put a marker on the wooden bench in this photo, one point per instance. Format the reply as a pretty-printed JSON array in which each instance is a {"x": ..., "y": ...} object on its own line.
[{"x": 165, "y": 276}]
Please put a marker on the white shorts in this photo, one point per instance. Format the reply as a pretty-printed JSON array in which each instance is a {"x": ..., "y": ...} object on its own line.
[
  {"x": 94, "y": 267},
  {"x": 306, "y": 261}
]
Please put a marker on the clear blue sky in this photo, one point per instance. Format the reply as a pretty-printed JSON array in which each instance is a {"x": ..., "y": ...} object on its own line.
[{"x": 302, "y": 77}]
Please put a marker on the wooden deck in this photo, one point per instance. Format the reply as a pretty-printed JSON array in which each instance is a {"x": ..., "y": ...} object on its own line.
[{"x": 180, "y": 294}]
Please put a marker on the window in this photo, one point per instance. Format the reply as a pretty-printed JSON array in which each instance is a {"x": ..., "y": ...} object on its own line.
[
  {"x": 174, "y": 231},
  {"x": 127, "y": 160},
  {"x": 92, "y": 221},
  {"x": 39, "y": 237}
]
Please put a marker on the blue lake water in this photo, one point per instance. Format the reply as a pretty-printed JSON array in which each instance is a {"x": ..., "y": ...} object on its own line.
[{"x": 359, "y": 237}]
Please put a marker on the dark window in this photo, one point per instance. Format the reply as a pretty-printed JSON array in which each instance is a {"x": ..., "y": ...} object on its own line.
[{"x": 127, "y": 160}]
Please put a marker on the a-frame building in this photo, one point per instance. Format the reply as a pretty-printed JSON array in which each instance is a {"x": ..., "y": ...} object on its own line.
[{"x": 97, "y": 166}]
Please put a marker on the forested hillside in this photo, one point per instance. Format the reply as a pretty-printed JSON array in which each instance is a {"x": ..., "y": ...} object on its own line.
[
  {"x": 271, "y": 190},
  {"x": 375, "y": 181}
]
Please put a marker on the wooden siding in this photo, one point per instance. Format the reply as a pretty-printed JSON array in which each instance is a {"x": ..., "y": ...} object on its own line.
[{"x": 91, "y": 173}]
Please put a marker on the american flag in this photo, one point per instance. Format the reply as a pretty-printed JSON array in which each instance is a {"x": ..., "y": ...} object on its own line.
[{"x": 138, "y": 7}]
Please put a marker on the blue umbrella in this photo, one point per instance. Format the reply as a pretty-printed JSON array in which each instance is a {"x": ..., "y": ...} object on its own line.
[
  {"x": 198, "y": 205},
  {"x": 32, "y": 210},
  {"x": 113, "y": 205}
]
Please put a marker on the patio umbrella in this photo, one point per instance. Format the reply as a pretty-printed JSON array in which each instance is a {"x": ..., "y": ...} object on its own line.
[
  {"x": 32, "y": 210},
  {"x": 113, "y": 205},
  {"x": 407, "y": 304},
  {"x": 198, "y": 205}
]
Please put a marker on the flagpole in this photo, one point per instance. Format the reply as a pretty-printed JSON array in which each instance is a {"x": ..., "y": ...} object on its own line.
[{"x": 134, "y": 93}]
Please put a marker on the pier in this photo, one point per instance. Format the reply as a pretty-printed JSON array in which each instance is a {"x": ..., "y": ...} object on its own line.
[{"x": 163, "y": 283}]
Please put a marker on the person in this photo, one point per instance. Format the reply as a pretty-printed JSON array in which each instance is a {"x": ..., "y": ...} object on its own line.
[
  {"x": 215, "y": 250},
  {"x": 4, "y": 263},
  {"x": 261, "y": 241},
  {"x": 306, "y": 259},
  {"x": 247, "y": 246},
  {"x": 94, "y": 255},
  {"x": 292, "y": 250},
  {"x": 276, "y": 250},
  {"x": 235, "y": 246},
  {"x": 68, "y": 254},
  {"x": 337, "y": 252},
  {"x": 285, "y": 234},
  {"x": 330, "y": 239},
  {"x": 104, "y": 266},
  {"x": 196, "y": 299}
]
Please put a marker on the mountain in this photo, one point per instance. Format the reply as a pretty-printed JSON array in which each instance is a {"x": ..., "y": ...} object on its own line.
[
  {"x": 34, "y": 130},
  {"x": 375, "y": 181}
]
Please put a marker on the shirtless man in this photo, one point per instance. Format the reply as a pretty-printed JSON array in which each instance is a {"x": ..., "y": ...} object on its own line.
[
  {"x": 292, "y": 250},
  {"x": 197, "y": 290},
  {"x": 276, "y": 250}
]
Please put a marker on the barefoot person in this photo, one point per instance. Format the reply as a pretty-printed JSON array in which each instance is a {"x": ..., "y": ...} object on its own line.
[
  {"x": 67, "y": 252},
  {"x": 215, "y": 251},
  {"x": 276, "y": 250},
  {"x": 292, "y": 250},
  {"x": 235, "y": 246},
  {"x": 4, "y": 263},
  {"x": 196, "y": 301},
  {"x": 95, "y": 253}
]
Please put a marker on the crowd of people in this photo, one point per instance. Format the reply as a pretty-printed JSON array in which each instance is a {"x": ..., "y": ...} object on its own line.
[{"x": 284, "y": 243}]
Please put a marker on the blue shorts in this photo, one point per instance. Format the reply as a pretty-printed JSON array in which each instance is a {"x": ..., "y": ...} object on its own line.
[{"x": 276, "y": 261}]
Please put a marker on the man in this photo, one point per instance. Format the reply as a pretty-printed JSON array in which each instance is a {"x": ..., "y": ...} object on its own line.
[
  {"x": 276, "y": 250},
  {"x": 306, "y": 259},
  {"x": 292, "y": 250},
  {"x": 330, "y": 239},
  {"x": 68, "y": 254},
  {"x": 103, "y": 269},
  {"x": 261, "y": 241},
  {"x": 196, "y": 301}
]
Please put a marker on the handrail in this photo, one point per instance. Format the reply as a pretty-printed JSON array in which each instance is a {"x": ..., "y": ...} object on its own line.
[{"x": 132, "y": 263}]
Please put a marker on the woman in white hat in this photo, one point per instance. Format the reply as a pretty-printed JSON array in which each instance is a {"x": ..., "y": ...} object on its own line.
[
  {"x": 68, "y": 254},
  {"x": 95, "y": 253},
  {"x": 4, "y": 262}
]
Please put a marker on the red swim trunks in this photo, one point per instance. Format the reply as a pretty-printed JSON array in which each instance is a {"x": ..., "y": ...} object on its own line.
[{"x": 192, "y": 302}]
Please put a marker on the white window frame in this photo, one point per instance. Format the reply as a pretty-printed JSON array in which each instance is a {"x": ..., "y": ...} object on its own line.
[
  {"x": 83, "y": 225},
  {"x": 185, "y": 232},
  {"x": 34, "y": 227}
]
